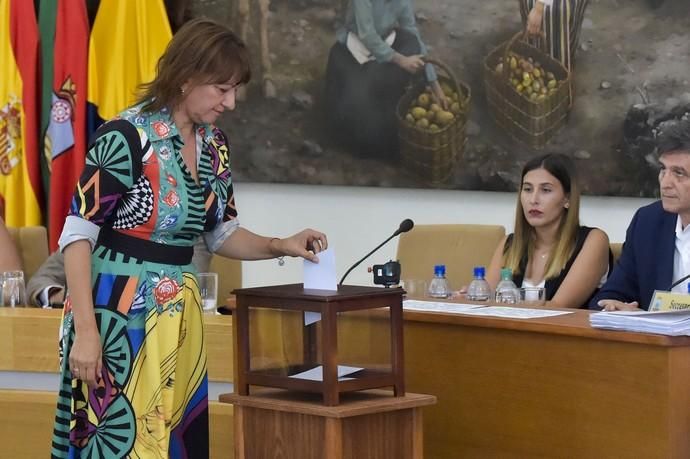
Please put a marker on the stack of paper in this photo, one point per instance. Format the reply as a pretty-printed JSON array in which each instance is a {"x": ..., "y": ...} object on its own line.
[{"x": 673, "y": 323}]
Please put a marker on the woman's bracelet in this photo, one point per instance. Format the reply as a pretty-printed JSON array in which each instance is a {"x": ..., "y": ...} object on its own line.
[{"x": 281, "y": 259}]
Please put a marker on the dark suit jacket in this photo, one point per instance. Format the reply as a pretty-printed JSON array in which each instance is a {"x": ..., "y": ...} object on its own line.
[{"x": 646, "y": 262}]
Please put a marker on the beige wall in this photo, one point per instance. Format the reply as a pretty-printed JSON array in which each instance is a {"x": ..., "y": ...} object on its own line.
[{"x": 356, "y": 219}]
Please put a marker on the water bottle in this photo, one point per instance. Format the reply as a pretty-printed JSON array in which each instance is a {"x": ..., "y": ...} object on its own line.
[
  {"x": 439, "y": 287},
  {"x": 479, "y": 289},
  {"x": 506, "y": 290}
]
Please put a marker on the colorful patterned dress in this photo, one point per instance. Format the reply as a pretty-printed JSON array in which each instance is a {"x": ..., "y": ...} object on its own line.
[{"x": 149, "y": 211}]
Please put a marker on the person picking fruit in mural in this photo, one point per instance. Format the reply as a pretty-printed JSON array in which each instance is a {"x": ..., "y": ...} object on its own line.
[
  {"x": 377, "y": 51},
  {"x": 561, "y": 23}
]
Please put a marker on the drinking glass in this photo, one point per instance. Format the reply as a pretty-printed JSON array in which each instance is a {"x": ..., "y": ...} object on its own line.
[
  {"x": 533, "y": 296},
  {"x": 208, "y": 286},
  {"x": 13, "y": 289}
]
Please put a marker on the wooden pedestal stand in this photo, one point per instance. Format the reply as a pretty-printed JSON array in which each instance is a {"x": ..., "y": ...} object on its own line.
[{"x": 370, "y": 424}]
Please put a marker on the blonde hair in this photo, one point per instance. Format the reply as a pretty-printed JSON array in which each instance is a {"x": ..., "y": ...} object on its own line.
[
  {"x": 522, "y": 244},
  {"x": 201, "y": 52}
]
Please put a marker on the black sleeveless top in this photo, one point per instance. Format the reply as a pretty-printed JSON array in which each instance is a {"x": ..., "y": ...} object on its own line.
[{"x": 552, "y": 285}]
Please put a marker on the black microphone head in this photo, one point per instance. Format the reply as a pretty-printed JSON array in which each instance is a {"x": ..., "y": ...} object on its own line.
[{"x": 405, "y": 226}]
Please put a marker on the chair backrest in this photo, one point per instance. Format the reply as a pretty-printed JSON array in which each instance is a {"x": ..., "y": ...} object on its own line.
[
  {"x": 460, "y": 247},
  {"x": 229, "y": 276},
  {"x": 616, "y": 249},
  {"x": 32, "y": 243}
]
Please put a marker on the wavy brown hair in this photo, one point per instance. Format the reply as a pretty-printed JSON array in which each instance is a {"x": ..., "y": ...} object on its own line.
[
  {"x": 522, "y": 245},
  {"x": 201, "y": 52}
]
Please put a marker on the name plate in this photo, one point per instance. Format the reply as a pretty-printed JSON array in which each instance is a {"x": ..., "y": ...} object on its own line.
[{"x": 669, "y": 301}]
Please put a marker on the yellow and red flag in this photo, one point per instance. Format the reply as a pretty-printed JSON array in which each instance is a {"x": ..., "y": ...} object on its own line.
[{"x": 20, "y": 171}]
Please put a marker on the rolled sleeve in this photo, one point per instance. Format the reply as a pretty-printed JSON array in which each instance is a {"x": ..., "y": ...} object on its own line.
[
  {"x": 76, "y": 229},
  {"x": 215, "y": 238}
]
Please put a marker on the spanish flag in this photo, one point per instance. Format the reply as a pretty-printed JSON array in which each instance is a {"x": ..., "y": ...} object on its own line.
[
  {"x": 20, "y": 172},
  {"x": 127, "y": 39},
  {"x": 64, "y": 141}
]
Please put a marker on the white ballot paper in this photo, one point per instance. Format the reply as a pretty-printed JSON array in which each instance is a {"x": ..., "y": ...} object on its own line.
[
  {"x": 438, "y": 306},
  {"x": 514, "y": 313},
  {"x": 321, "y": 275},
  {"x": 316, "y": 373}
]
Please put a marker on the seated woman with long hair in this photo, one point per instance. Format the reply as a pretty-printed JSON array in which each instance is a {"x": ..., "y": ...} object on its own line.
[{"x": 549, "y": 247}]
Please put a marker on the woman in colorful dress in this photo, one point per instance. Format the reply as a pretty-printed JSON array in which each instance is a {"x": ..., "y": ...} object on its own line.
[
  {"x": 561, "y": 23},
  {"x": 134, "y": 380}
]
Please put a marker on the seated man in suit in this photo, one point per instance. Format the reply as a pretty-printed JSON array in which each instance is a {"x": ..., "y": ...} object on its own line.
[
  {"x": 656, "y": 252},
  {"x": 47, "y": 286}
]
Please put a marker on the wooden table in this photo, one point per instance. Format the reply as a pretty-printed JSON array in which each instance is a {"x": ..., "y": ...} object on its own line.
[{"x": 552, "y": 387}]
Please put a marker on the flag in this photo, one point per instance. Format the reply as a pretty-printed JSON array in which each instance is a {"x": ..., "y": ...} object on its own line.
[
  {"x": 64, "y": 141},
  {"x": 47, "y": 11},
  {"x": 126, "y": 41},
  {"x": 20, "y": 172}
]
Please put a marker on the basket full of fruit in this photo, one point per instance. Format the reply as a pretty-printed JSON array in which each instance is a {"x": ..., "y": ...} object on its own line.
[
  {"x": 432, "y": 138},
  {"x": 528, "y": 91}
]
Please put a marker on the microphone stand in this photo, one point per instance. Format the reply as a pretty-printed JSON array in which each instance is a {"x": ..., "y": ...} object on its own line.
[{"x": 367, "y": 255}]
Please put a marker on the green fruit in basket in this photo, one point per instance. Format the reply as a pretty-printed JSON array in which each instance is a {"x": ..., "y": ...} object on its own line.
[
  {"x": 409, "y": 118},
  {"x": 455, "y": 108},
  {"x": 537, "y": 73},
  {"x": 529, "y": 90},
  {"x": 552, "y": 91},
  {"x": 536, "y": 86},
  {"x": 418, "y": 113},
  {"x": 533, "y": 96},
  {"x": 434, "y": 128},
  {"x": 543, "y": 90},
  {"x": 541, "y": 97},
  {"x": 515, "y": 82},
  {"x": 430, "y": 115},
  {"x": 513, "y": 63},
  {"x": 499, "y": 67},
  {"x": 519, "y": 88},
  {"x": 423, "y": 100},
  {"x": 526, "y": 76},
  {"x": 435, "y": 107},
  {"x": 550, "y": 76},
  {"x": 423, "y": 123},
  {"x": 551, "y": 84}
]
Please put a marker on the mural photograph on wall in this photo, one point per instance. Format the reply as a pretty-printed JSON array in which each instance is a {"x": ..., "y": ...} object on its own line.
[{"x": 456, "y": 94}]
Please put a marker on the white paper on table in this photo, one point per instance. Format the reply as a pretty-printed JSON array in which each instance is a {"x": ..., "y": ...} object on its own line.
[
  {"x": 514, "y": 313},
  {"x": 310, "y": 317},
  {"x": 438, "y": 306},
  {"x": 321, "y": 275},
  {"x": 316, "y": 373}
]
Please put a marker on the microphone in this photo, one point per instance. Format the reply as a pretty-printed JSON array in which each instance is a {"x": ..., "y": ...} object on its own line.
[
  {"x": 405, "y": 226},
  {"x": 679, "y": 281}
]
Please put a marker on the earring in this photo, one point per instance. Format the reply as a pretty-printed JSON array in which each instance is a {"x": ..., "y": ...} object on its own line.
[
  {"x": 182, "y": 91},
  {"x": 566, "y": 205}
]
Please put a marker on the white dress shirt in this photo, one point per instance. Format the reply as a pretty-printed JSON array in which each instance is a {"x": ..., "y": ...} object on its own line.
[{"x": 681, "y": 257}]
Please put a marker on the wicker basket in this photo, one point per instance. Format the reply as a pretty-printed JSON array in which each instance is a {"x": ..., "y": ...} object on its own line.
[
  {"x": 530, "y": 122},
  {"x": 432, "y": 156}
]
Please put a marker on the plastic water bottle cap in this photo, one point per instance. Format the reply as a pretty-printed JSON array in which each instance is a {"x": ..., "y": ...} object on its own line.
[
  {"x": 688, "y": 287},
  {"x": 439, "y": 270},
  {"x": 506, "y": 274},
  {"x": 479, "y": 271}
]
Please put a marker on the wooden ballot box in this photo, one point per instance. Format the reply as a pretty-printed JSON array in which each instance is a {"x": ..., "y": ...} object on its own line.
[{"x": 319, "y": 341}]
